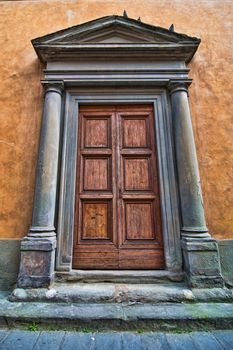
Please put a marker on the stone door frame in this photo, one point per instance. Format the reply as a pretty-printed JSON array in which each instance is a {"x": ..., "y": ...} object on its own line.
[
  {"x": 167, "y": 178},
  {"x": 118, "y": 59}
]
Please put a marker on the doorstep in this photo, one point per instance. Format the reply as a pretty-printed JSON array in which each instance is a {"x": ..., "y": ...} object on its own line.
[
  {"x": 144, "y": 293},
  {"x": 120, "y": 276},
  {"x": 119, "y": 306}
]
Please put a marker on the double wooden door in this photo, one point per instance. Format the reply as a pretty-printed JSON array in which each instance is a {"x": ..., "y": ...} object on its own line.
[{"x": 118, "y": 223}]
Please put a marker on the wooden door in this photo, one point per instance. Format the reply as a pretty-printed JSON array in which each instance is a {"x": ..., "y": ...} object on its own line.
[{"x": 118, "y": 219}]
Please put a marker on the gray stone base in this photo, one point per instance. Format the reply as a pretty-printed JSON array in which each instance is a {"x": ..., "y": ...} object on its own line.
[
  {"x": 202, "y": 263},
  {"x": 226, "y": 258},
  {"x": 37, "y": 262},
  {"x": 9, "y": 263}
]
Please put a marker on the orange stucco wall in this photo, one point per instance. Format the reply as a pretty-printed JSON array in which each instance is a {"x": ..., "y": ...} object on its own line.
[{"x": 21, "y": 95}]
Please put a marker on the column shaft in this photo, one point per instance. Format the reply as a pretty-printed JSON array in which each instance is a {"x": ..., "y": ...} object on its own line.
[
  {"x": 38, "y": 247},
  {"x": 200, "y": 250},
  {"x": 47, "y": 166},
  {"x": 193, "y": 217}
]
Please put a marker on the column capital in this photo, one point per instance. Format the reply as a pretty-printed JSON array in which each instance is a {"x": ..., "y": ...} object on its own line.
[
  {"x": 179, "y": 85},
  {"x": 53, "y": 86}
]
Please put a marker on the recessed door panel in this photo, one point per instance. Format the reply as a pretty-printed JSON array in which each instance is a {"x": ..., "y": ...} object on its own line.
[
  {"x": 118, "y": 224},
  {"x": 96, "y": 132},
  {"x": 134, "y": 132},
  {"x": 139, "y": 223},
  {"x": 137, "y": 174},
  {"x": 96, "y": 220},
  {"x": 97, "y": 172}
]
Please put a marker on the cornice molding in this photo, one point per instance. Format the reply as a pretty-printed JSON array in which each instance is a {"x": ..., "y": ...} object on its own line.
[{"x": 115, "y": 37}]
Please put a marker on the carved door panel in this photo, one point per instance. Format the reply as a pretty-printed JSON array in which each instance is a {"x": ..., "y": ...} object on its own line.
[{"x": 118, "y": 223}]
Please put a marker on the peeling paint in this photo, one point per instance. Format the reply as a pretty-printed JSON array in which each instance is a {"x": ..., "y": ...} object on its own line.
[{"x": 7, "y": 143}]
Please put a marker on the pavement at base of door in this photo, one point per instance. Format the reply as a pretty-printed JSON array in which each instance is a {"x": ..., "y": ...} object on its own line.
[{"x": 66, "y": 340}]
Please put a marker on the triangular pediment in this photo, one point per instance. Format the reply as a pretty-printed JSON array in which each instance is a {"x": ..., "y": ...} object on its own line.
[
  {"x": 115, "y": 33},
  {"x": 112, "y": 34},
  {"x": 109, "y": 32}
]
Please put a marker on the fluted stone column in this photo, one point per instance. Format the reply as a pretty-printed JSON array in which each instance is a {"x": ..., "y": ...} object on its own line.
[
  {"x": 200, "y": 250},
  {"x": 38, "y": 247}
]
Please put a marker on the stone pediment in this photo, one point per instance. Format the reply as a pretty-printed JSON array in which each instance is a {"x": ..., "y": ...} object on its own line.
[{"x": 113, "y": 33}]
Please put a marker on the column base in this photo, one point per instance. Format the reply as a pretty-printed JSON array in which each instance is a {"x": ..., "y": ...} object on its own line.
[
  {"x": 37, "y": 262},
  {"x": 202, "y": 263}
]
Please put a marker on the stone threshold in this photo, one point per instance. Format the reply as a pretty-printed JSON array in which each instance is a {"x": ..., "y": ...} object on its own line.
[
  {"x": 89, "y": 293},
  {"x": 120, "y": 276},
  {"x": 115, "y": 316}
]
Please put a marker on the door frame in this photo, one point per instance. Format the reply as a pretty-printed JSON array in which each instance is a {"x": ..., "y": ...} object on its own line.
[
  {"x": 82, "y": 67},
  {"x": 166, "y": 167}
]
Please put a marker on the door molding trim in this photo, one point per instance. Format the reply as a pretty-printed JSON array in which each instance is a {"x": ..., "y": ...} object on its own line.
[{"x": 166, "y": 168}]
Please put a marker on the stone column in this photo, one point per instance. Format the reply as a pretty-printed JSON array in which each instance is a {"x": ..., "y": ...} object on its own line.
[
  {"x": 200, "y": 250},
  {"x": 38, "y": 247}
]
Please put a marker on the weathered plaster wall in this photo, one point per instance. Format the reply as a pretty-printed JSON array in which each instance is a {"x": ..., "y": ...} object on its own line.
[{"x": 21, "y": 94}]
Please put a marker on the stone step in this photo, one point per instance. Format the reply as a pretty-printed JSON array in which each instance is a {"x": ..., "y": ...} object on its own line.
[
  {"x": 121, "y": 293},
  {"x": 120, "y": 276},
  {"x": 118, "y": 316}
]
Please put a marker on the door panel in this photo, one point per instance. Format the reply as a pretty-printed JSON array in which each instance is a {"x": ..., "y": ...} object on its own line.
[
  {"x": 97, "y": 173},
  {"x": 118, "y": 223},
  {"x": 134, "y": 132},
  {"x": 136, "y": 174},
  {"x": 139, "y": 223},
  {"x": 96, "y": 220},
  {"x": 96, "y": 132}
]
